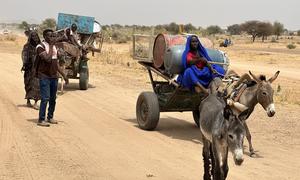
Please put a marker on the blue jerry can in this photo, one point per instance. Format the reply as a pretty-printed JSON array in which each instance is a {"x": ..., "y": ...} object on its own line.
[{"x": 85, "y": 24}]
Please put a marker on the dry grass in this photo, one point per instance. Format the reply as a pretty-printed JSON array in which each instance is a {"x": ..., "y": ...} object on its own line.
[
  {"x": 11, "y": 43},
  {"x": 8, "y": 37},
  {"x": 116, "y": 54},
  {"x": 287, "y": 96}
]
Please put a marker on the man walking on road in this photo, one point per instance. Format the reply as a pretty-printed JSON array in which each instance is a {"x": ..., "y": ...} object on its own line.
[{"x": 47, "y": 72}]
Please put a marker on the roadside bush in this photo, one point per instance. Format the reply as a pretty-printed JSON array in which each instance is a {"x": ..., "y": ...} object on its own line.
[
  {"x": 291, "y": 46},
  {"x": 122, "y": 40},
  {"x": 120, "y": 37}
]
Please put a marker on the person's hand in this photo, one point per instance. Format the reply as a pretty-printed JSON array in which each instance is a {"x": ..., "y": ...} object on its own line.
[
  {"x": 203, "y": 61},
  {"x": 230, "y": 102},
  {"x": 214, "y": 71}
]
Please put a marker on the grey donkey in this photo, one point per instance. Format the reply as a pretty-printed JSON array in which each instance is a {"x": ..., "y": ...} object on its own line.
[
  {"x": 221, "y": 131},
  {"x": 260, "y": 92}
]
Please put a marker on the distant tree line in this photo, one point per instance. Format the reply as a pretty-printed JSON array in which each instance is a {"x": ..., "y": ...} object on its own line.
[
  {"x": 48, "y": 23},
  {"x": 254, "y": 28},
  {"x": 257, "y": 29}
]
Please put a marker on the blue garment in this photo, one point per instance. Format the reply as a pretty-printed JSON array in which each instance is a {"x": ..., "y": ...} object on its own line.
[
  {"x": 48, "y": 89},
  {"x": 226, "y": 42},
  {"x": 191, "y": 74}
]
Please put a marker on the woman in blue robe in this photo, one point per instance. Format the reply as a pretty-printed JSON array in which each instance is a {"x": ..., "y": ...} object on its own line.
[{"x": 198, "y": 72}]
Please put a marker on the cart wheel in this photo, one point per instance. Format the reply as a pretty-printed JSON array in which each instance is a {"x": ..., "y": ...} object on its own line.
[
  {"x": 147, "y": 110},
  {"x": 84, "y": 80},
  {"x": 196, "y": 116}
]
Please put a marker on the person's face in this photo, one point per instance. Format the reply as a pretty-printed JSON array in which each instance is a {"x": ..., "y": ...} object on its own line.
[
  {"x": 73, "y": 28},
  {"x": 194, "y": 43},
  {"x": 35, "y": 37},
  {"x": 49, "y": 38},
  {"x": 27, "y": 33}
]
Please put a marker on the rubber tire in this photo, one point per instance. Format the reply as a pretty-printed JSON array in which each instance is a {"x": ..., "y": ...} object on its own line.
[
  {"x": 84, "y": 80},
  {"x": 147, "y": 111},
  {"x": 196, "y": 116}
]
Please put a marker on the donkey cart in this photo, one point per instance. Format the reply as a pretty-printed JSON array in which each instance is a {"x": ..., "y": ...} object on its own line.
[
  {"x": 74, "y": 59},
  {"x": 167, "y": 95}
]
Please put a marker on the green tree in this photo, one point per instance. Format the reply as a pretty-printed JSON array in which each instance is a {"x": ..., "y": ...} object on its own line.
[
  {"x": 234, "y": 29},
  {"x": 251, "y": 28},
  {"x": 24, "y": 25},
  {"x": 173, "y": 28},
  {"x": 160, "y": 29},
  {"x": 278, "y": 29},
  {"x": 298, "y": 32},
  {"x": 264, "y": 29},
  {"x": 48, "y": 23},
  {"x": 214, "y": 30},
  {"x": 189, "y": 28}
]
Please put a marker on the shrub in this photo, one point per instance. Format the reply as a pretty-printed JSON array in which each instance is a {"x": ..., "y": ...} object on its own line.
[
  {"x": 291, "y": 46},
  {"x": 120, "y": 37},
  {"x": 121, "y": 40}
]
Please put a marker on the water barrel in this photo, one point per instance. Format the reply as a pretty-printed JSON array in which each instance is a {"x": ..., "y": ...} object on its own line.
[
  {"x": 172, "y": 59},
  {"x": 161, "y": 44}
]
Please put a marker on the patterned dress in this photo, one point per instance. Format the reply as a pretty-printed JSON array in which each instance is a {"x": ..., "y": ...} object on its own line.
[{"x": 30, "y": 81}]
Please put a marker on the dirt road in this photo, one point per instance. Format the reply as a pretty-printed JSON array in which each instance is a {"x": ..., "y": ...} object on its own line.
[{"x": 97, "y": 137}]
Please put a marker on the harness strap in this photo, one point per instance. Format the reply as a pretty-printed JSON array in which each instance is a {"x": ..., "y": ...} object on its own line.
[{"x": 240, "y": 92}]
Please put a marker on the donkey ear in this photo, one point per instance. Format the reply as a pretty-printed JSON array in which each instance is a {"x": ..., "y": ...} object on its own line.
[
  {"x": 274, "y": 77},
  {"x": 254, "y": 77},
  {"x": 244, "y": 115}
]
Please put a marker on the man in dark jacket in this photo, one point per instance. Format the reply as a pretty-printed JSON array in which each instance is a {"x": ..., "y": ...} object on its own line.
[{"x": 47, "y": 72}]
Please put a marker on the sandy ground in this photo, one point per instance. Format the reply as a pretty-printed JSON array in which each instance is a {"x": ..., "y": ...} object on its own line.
[{"x": 97, "y": 136}]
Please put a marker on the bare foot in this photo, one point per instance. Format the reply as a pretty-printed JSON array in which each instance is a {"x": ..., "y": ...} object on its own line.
[
  {"x": 200, "y": 90},
  {"x": 28, "y": 103},
  {"x": 197, "y": 89},
  {"x": 35, "y": 106}
]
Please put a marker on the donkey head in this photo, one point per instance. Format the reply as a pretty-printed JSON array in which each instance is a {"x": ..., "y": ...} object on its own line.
[
  {"x": 235, "y": 134},
  {"x": 265, "y": 92}
]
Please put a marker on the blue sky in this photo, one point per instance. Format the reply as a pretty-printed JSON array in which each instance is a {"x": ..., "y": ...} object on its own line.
[{"x": 152, "y": 12}]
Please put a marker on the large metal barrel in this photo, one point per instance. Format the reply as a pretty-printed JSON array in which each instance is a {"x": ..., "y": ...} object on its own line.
[
  {"x": 162, "y": 43},
  {"x": 173, "y": 59}
]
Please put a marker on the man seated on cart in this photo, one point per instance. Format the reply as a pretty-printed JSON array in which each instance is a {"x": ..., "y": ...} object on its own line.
[
  {"x": 198, "y": 72},
  {"x": 72, "y": 36}
]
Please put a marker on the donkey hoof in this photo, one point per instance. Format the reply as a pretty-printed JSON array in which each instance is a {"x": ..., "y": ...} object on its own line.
[{"x": 252, "y": 154}]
